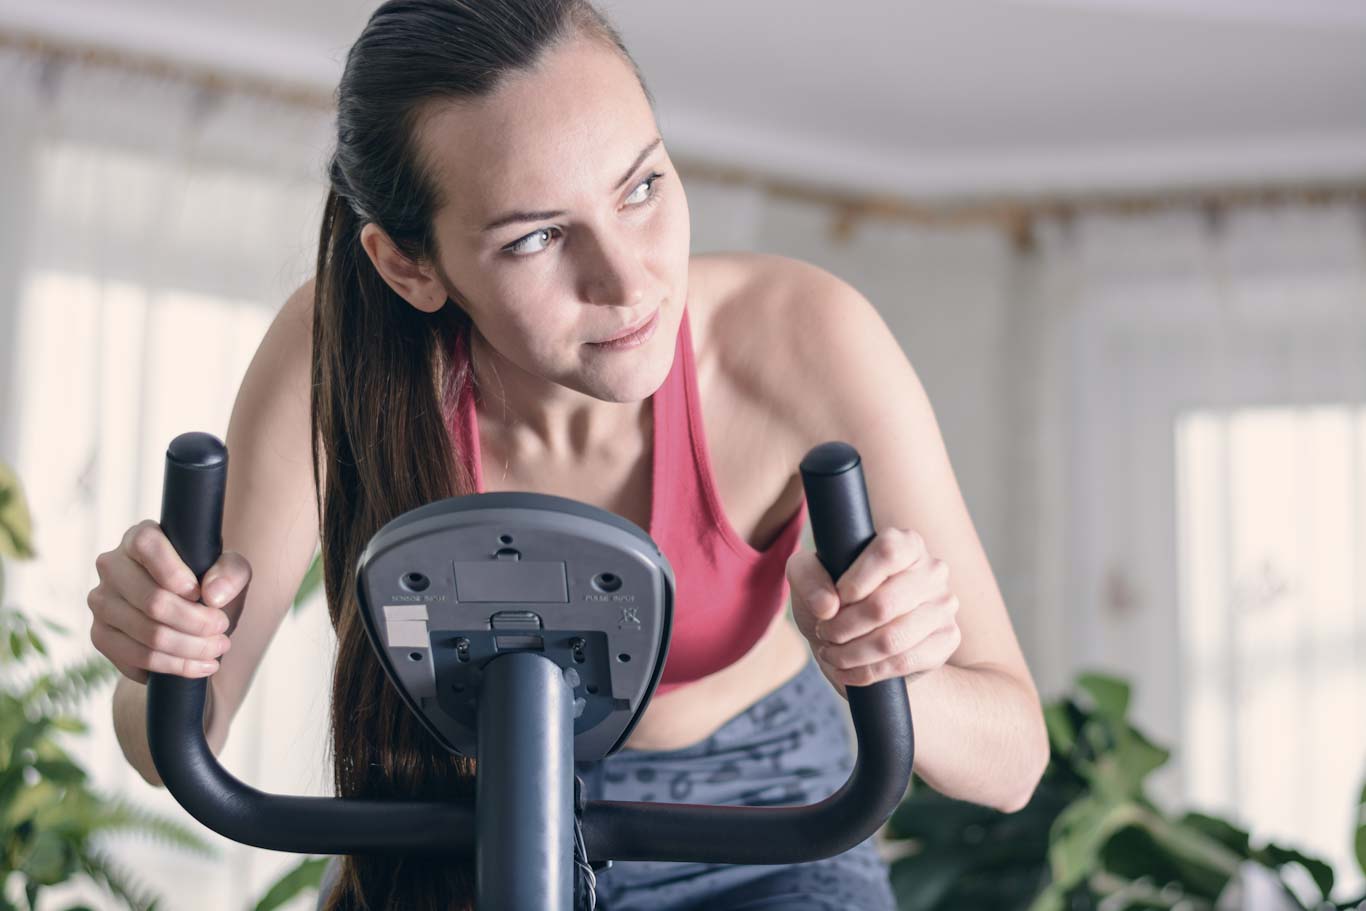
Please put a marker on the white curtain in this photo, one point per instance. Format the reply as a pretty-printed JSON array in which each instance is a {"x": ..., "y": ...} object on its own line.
[
  {"x": 149, "y": 232},
  {"x": 1199, "y": 453},
  {"x": 1155, "y": 420}
]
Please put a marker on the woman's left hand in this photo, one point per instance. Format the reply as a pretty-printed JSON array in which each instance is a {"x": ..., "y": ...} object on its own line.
[{"x": 891, "y": 614}]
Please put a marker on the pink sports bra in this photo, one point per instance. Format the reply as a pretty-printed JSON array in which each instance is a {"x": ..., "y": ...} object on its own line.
[{"x": 726, "y": 592}]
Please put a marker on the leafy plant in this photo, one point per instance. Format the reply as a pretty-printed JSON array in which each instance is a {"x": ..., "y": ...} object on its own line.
[
  {"x": 312, "y": 581},
  {"x": 305, "y": 877},
  {"x": 1089, "y": 839},
  {"x": 52, "y": 819}
]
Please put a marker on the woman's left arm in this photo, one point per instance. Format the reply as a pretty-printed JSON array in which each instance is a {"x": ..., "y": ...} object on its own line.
[{"x": 920, "y": 602}]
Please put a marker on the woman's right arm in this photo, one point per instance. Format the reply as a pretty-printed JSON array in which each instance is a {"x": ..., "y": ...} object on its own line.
[{"x": 142, "y": 618}]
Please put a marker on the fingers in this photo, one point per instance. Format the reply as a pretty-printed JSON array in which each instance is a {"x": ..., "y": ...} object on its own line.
[
  {"x": 905, "y": 634},
  {"x": 893, "y": 550},
  {"x": 129, "y": 582},
  {"x": 142, "y": 616},
  {"x": 933, "y": 653},
  {"x": 147, "y": 545},
  {"x": 127, "y": 653},
  {"x": 900, "y": 593},
  {"x": 891, "y": 614},
  {"x": 136, "y": 643},
  {"x": 159, "y": 637}
]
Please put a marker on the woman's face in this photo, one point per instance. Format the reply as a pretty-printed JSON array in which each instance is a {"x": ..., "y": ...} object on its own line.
[{"x": 564, "y": 221}]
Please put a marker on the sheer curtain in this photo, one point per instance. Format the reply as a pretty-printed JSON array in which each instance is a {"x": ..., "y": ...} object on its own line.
[
  {"x": 150, "y": 231},
  {"x": 1200, "y": 468}
]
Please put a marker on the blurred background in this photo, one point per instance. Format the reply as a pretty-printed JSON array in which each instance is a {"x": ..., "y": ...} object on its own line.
[{"x": 1123, "y": 243}]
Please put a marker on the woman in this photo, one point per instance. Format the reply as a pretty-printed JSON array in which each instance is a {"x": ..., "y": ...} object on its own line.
[{"x": 501, "y": 207}]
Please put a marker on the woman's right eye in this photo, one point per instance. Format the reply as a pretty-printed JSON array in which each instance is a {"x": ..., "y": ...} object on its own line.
[{"x": 518, "y": 247}]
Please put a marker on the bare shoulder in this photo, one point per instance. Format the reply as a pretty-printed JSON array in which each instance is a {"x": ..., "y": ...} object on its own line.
[
  {"x": 743, "y": 313},
  {"x": 764, "y": 323},
  {"x": 298, "y": 308},
  {"x": 279, "y": 374}
]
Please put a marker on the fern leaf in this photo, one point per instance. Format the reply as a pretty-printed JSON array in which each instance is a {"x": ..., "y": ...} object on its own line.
[
  {"x": 115, "y": 814},
  {"x": 62, "y": 691},
  {"x": 107, "y": 873}
]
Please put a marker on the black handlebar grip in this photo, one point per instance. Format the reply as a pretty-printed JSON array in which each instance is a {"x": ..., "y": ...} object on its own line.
[
  {"x": 842, "y": 526},
  {"x": 192, "y": 499},
  {"x": 837, "y": 502},
  {"x": 192, "y": 519}
]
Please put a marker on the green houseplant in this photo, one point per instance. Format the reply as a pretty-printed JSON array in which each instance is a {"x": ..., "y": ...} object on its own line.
[
  {"x": 1090, "y": 839},
  {"x": 52, "y": 818}
]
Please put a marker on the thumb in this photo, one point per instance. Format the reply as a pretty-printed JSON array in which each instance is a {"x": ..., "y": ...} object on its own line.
[
  {"x": 226, "y": 579},
  {"x": 813, "y": 592}
]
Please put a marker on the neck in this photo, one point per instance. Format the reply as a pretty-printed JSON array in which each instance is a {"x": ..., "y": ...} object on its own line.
[{"x": 536, "y": 418}]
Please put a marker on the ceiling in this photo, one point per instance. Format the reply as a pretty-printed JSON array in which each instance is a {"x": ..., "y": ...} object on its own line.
[{"x": 924, "y": 99}]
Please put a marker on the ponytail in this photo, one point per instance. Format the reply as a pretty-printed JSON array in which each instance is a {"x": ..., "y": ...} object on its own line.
[{"x": 381, "y": 427}]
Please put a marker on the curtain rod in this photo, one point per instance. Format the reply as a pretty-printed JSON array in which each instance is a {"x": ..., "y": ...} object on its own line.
[
  {"x": 204, "y": 77},
  {"x": 1015, "y": 215}
]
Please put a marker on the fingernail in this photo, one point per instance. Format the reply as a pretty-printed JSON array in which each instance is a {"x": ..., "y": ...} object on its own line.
[
  {"x": 216, "y": 593},
  {"x": 206, "y": 667}
]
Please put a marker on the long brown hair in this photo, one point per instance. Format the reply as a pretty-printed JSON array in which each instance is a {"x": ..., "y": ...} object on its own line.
[{"x": 384, "y": 385}]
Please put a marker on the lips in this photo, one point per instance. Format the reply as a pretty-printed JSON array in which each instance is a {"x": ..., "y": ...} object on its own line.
[{"x": 630, "y": 330}]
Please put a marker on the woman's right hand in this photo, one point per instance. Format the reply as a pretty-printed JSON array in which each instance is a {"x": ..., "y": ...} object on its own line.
[{"x": 145, "y": 611}]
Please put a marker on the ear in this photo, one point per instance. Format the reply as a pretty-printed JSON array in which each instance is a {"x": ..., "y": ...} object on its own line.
[{"x": 417, "y": 284}]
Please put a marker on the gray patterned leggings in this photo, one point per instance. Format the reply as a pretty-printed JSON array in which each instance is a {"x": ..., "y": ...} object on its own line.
[{"x": 791, "y": 747}]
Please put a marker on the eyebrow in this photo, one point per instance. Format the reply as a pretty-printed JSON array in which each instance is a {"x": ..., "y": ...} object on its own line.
[{"x": 513, "y": 217}]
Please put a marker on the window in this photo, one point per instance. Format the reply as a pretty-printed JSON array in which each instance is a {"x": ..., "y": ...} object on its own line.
[{"x": 1272, "y": 538}]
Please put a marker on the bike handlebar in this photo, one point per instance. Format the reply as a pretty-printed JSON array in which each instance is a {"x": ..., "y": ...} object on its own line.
[{"x": 841, "y": 524}]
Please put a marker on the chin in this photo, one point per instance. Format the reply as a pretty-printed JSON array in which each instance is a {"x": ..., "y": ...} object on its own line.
[
  {"x": 636, "y": 388},
  {"x": 638, "y": 378}
]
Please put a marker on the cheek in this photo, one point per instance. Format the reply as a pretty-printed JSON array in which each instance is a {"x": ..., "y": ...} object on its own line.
[
  {"x": 671, "y": 240},
  {"x": 526, "y": 301},
  {"x": 678, "y": 223},
  {"x": 513, "y": 315}
]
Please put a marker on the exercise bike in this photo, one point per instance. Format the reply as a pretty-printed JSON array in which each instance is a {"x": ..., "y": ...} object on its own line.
[{"x": 528, "y": 631}]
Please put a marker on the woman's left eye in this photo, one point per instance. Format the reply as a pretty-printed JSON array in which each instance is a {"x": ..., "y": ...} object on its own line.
[
  {"x": 519, "y": 248},
  {"x": 647, "y": 182}
]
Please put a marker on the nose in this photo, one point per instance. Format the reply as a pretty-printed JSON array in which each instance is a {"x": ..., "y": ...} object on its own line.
[{"x": 613, "y": 273}]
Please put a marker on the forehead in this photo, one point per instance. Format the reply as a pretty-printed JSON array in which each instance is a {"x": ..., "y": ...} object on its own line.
[{"x": 569, "y": 126}]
